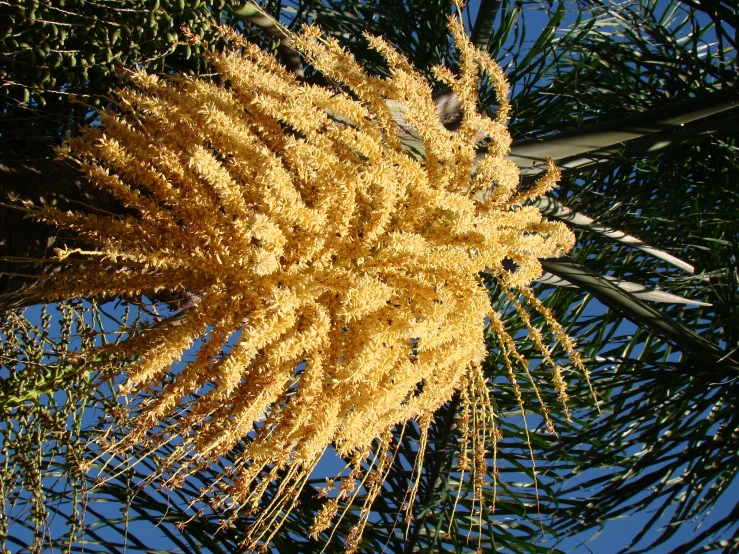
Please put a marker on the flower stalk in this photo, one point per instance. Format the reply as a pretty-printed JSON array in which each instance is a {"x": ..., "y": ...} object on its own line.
[{"x": 337, "y": 275}]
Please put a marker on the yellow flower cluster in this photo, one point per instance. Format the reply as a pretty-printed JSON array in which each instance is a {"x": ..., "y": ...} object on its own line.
[{"x": 338, "y": 275}]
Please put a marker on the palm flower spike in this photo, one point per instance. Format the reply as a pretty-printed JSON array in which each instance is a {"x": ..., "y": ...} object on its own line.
[{"x": 338, "y": 275}]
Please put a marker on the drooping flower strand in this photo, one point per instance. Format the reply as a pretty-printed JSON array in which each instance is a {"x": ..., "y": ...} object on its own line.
[{"x": 337, "y": 274}]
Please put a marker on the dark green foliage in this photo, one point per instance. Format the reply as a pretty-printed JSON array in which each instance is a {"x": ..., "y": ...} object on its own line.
[
  {"x": 423, "y": 34},
  {"x": 54, "y": 52}
]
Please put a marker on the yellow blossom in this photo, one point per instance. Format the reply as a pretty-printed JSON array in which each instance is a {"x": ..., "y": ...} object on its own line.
[{"x": 343, "y": 271}]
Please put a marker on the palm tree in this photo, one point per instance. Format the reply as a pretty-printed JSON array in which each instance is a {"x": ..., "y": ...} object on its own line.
[{"x": 636, "y": 100}]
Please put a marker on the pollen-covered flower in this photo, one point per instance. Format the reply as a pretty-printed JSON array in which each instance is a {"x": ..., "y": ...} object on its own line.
[{"x": 342, "y": 271}]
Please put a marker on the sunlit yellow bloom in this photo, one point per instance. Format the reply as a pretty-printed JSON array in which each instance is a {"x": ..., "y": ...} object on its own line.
[{"x": 338, "y": 276}]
